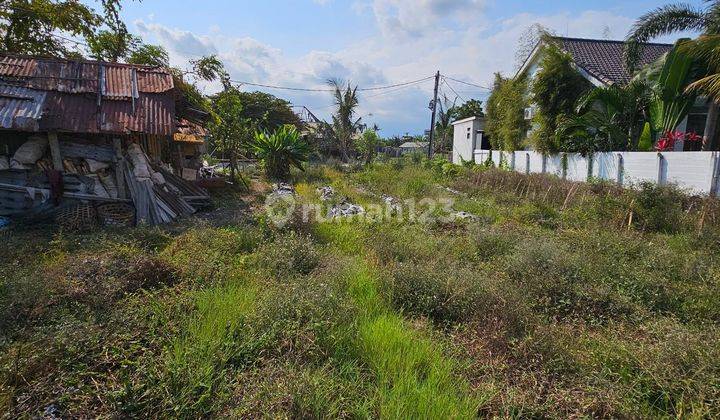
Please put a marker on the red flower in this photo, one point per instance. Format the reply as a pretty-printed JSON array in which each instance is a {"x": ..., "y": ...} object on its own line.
[
  {"x": 667, "y": 141},
  {"x": 693, "y": 136}
]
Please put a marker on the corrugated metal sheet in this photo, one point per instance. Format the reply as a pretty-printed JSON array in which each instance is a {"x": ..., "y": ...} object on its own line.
[
  {"x": 17, "y": 66},
  {"x": 187, "y": 127},
  {"x": 119, "y": 82},
  {"x": 21, "y": 108},
  {"x": 62, "y": 95},
  {"x": 82, "y": 76},
  {"x": 153, "y": 114}
]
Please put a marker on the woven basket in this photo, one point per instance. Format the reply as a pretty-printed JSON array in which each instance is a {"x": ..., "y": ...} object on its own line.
[
  {"x": 116, "y": 214},
  {"x": 80, "y": 217}
]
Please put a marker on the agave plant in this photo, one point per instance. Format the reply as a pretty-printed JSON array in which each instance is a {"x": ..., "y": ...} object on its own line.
[{"x": 281, "y": 150}]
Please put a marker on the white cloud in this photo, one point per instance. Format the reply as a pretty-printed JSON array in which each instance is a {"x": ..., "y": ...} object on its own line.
[
  {"x": 176, "y": 40},
  {"x": 418, "y": 18},
  {"x": 464, "y": 45}
]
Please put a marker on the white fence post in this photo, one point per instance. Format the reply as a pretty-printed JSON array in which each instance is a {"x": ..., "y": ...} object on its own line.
[{"x": 662, "y": 169}]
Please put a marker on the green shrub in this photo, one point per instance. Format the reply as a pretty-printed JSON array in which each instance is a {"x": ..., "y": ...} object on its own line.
[
  {"x": 537, "y": 214},
  {"x": 491, "y": 243},
  {"x": 553, "y": 279},
  {"x": 658, "y": 208},
  {"x": 281, "y": 150},
  {"x": 443, "y": 292},
  {"x": 289, "y": 254},
  {"x": 450, "y": 170}
]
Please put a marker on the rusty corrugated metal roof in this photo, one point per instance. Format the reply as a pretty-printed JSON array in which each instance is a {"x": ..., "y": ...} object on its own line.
[
  {"x": 87, "y": 96},
  {"x": 20, "y": 108},
  {"x": 184, "y": 126},
  {"x": 82, "y": 76}
]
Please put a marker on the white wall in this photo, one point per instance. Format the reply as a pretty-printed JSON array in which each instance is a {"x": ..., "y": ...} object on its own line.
[
  {"x": 695, "y": 172},
  {"x": 463, "y": 147}
]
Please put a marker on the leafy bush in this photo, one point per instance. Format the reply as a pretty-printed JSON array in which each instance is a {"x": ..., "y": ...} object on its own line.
[
  {"x": 289, "y": 254},
  {"x": 280, "y": 150},
  {"x": 445, "y": 293},
  {"x": 658, "y": 208},
  {"x": 554, "y": 282}
]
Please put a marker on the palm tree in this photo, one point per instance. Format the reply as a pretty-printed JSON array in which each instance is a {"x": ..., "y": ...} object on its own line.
[
  {"x": 610, "y": 116},
  {"x": 344, "y": 124},
  {"x": 443, "y": 127},
  {"x": 674, "y": 18}
]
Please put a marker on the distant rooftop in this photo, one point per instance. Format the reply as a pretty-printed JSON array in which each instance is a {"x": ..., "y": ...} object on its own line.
[{"x": 413, "y": 144}]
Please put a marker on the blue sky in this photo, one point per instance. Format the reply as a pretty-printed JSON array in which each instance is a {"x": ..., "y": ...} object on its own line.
[{"x": 301, "y": 43}]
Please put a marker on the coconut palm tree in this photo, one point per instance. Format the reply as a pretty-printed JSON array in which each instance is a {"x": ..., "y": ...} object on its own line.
[
  {"x": 608, "y": 118},
  {"x": 443, "y": 127},
  {"x": 674, "y": 18},
  {"x": 344, "y": 124}
]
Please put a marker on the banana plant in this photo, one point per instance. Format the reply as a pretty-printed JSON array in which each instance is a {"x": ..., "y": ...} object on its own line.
[{"x": 671, "y": 101}]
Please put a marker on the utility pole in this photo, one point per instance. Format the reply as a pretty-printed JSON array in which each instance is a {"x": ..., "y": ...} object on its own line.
[{"x": 433, "y": 107}]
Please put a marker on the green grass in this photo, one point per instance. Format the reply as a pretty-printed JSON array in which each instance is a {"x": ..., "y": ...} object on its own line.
[{"x": 555, "y": 302}]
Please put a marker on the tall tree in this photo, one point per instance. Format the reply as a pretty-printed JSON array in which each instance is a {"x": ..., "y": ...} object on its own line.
[
  {"x": 112, "y": 46},
  {"x": 149, "y": 55},
  {"x": 367, "y": 144},
  {"x": 231, "y": 132},
  {"x": 345, "y": 125},
  {"x": 471, "y": 108},
  {"x": 556, "y": 88},
  {"x": 31, "y": 26},
  {"x": 443, "y": 127},
  {"x": 505, "y": 122},
  {"x": 675, "y": 18}
]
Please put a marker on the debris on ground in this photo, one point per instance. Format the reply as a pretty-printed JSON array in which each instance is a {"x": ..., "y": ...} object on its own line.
[
  {"x": 344, "y": 209},
  {"x": 93, "y": 175},
  {"x": 452, "y": 191},
  {"x": 326, "y": 193},
  {"x": 51, "y": 412},
  {"x": 282, "y": 188},
  {"x": 393, "y": 203},
  {"x": 463, "y": 215}
]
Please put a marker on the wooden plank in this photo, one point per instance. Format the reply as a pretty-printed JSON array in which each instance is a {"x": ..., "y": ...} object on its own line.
[
  {"x": 55, "y": 151},
  {"x": 119, "y": 177},
  {"x": 87, "y": 151},
  {"x": 79, "y": 196}
]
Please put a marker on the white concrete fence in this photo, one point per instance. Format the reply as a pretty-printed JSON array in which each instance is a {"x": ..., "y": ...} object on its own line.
[{"x": 695, "y": 172}]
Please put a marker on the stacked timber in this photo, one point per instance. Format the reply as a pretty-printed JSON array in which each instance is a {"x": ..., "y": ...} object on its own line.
[
  {"x": 94, "y": 173},
  {"x": 159, "y": 196}
]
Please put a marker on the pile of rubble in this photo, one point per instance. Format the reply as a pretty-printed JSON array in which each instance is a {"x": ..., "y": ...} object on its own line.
[
  {"x": 393, "y": 203},
  {"x": 283, "y": 189},
  {"x": 345, "y": 209},
  {"x": 326, "y": 193},
  {"x": 94, "y": 172}
]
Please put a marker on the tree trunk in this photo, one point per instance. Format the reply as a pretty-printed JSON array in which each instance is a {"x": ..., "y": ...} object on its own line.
[
  {"x": 233, "y": 165},
  {"x": 344, "y": 151},
  {"x": 708, "y": 142}
]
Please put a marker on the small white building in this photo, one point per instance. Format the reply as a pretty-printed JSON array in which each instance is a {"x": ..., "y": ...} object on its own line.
[{"x": 468, "y": 136}]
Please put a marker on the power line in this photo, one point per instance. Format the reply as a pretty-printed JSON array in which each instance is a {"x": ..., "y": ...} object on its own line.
[
  {"x": 453, "y": 90},
  {"x": 297, "y": 89},
  {"x": 468, "y": 83},
  {"x": 394, "y": 90}
]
